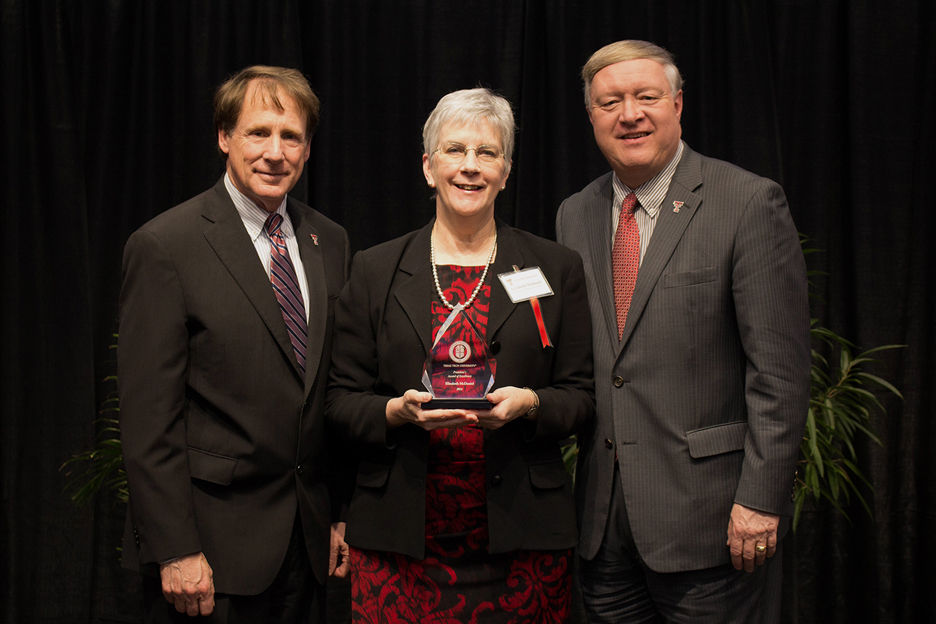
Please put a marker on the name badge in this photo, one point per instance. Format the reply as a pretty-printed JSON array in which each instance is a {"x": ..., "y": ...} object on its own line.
[{"x": 526, "y": 284}]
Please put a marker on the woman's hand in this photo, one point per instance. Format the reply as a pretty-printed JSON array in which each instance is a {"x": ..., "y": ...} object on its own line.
[
  {"x": 507, "y": 403},
  {"x": 408, "y": 409}
]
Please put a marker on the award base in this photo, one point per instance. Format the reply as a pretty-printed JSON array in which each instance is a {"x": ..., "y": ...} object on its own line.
[{"x": 449, "y": 403}]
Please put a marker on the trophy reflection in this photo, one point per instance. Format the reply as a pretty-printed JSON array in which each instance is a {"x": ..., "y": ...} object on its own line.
[{"x": 459, "y": 371}]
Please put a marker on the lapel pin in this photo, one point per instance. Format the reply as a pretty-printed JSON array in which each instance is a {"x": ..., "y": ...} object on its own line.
[
  {"x": 677, "y": 205},
  {"x": 314, "y": 239}
]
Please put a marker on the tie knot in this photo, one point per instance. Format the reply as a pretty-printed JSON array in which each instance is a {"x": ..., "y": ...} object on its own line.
[
  {"x": 629, "y": 206},
  {"x": 273, "y": 223}
]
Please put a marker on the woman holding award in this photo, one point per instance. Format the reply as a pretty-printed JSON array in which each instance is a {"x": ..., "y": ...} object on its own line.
[{"x": 461, "y": 359}]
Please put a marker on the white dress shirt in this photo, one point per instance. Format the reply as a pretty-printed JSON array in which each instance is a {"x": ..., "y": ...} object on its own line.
[
  {"x": 650, "y": 194},
  {"x": 254, "y": 219}
]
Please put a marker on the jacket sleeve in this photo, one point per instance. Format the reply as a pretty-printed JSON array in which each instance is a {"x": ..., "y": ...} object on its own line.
[
  {"x": 354, "y": 411},
  {"x": 769, "y": 288},
  {"x": 152, "y": 360}
]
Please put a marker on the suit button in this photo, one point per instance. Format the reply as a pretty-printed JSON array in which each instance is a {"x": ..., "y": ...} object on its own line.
[
  {"x": 497, "y": 480},
  {"x": 618, "y": 382},
  {"x": 495, "y": 347},
  {"x": 608, "y": 443},
  {"x": 299, "y": 469}
]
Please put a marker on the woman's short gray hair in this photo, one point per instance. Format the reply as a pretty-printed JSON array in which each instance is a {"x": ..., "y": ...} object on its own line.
[{"x": 471, "y": 107}]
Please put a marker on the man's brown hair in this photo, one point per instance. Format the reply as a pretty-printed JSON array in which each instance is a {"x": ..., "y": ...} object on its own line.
[{"x": 272, "y": 82}]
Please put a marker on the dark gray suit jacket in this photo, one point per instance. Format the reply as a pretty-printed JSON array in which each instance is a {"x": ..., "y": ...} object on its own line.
[
  {"x": 705, "y": 396},
  {"x": 223, "y": 439}
]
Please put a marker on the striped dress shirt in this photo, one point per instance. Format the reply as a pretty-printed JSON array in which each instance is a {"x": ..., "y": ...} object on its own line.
[
  {"x": 254, "y": 219},
  {"x": 650, "y": 194}
]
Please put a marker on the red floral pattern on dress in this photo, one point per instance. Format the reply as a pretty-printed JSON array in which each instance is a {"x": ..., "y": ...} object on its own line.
[{"x": 459, "y": 582}]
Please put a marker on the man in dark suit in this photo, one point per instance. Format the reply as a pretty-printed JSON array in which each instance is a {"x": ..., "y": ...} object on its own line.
[
  {"x": 225, "y": 337},
  {"x": 697, "y": 289}
]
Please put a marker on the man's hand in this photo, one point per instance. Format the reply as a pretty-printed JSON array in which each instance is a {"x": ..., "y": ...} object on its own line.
[
  {"x": 339, "y": 555},
  {"x": 187, "y": 582},
  {"x": 752, "y": 536}
]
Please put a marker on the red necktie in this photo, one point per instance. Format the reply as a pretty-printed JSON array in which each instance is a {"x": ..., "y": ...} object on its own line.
[
  {"x": 625, "y": 259},
  {"x": 287, "y": 290}
]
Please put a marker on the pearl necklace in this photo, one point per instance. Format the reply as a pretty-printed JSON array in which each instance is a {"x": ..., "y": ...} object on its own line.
[{"x": 435, "y": 275}]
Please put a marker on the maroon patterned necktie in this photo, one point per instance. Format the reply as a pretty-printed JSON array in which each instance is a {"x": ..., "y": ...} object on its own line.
[
  {"x": 287, "y": 290},
  {"x": 625, "y": 259}
]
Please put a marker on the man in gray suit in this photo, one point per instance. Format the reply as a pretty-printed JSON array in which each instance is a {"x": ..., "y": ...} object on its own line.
[
  {"x": 697, "y": 288},
  {"x": 226, "y": 317}
]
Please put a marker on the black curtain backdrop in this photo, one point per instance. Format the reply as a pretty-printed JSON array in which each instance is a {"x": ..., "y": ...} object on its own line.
[{"x": 106, "y": 116}]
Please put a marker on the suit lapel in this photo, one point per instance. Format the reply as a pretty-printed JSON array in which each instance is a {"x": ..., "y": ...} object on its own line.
[
  {"x": 666, "y": 235},
  {"x": 229, "y": 240},
  {"x": 413, "y": 294},
  {"x": 416, "y": 298},
  {"x": 597, "y": 217},
  {"x": 508, "y": 255},
  {"x": 311, "y": 254}
]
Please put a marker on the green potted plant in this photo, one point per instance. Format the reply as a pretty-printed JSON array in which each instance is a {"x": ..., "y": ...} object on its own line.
[
  {"x": 100, "y": 467},
  {"x": 841, "y": 402}
]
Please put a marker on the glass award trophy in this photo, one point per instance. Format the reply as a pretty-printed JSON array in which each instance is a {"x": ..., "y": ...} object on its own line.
[{"x": 459, "y": 371}]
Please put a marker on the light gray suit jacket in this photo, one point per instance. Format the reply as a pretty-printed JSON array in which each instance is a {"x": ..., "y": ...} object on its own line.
[{"x": 705, "y": 396}]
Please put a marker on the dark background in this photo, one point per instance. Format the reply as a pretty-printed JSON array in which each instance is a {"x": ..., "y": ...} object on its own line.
[{"x": 106, "y": 117}]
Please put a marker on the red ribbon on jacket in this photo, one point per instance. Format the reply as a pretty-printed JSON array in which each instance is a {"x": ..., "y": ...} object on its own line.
[{"x": 538, "y": 313}]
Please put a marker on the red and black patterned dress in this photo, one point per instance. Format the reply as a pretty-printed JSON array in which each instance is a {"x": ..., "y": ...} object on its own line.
[{"x": 459, "y": 581}]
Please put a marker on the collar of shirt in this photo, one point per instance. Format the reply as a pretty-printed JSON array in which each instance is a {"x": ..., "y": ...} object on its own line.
[
  {"x": 253, "y": 216},
  {"x": 651, "y": 193}
]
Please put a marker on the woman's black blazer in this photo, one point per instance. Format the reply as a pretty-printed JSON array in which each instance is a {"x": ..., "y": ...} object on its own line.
[{"x": 381, "y": 341}]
